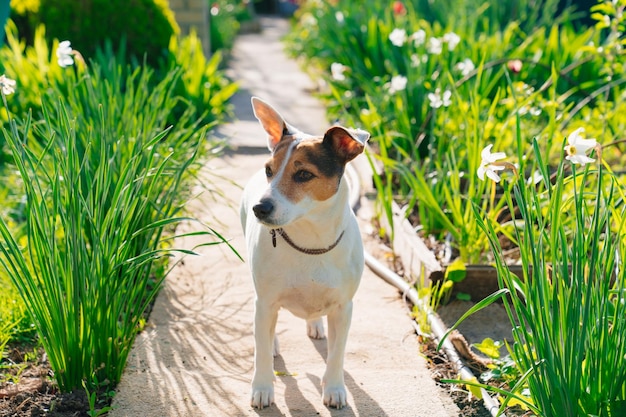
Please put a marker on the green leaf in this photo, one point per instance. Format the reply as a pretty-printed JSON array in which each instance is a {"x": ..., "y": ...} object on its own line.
[
  {"x": 456, "y": 271},
  {"x": 489, "y": 347},
  {"x": 463, "y": 296},
  {"x": 474, "y": 389}
]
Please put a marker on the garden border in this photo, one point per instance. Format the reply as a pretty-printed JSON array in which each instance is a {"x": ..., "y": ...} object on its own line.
[{"x": 419, "y": 260}]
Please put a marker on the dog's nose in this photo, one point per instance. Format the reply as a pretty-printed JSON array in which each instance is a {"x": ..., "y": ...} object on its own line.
[{"x": 263, "y": 209}]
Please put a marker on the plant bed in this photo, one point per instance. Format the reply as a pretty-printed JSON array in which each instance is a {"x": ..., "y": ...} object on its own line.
[
  {"x": 27, "y": 389},
  {"x": 419, "y": 262}
]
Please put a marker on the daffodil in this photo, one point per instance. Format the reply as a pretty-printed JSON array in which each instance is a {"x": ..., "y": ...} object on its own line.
[
  {"x": 577, "y": 147},
  {"x": 7, "y": 85},
  {"x": 438, "y": 100},
  {"x": 434, "y": 46},
  {"x": 337, "y": 71},
  {"x": 489, "y": 164},
  {"x": 398, "y": 83},
  {"x": 452, "y": 39},
  {"x": 418, "y": 37},
  {"x": 465, "y": 67},
  {"x": 398, "y": 37},
  {"x": 417, "y": 60},
  {"x": 64, "y": 54}
]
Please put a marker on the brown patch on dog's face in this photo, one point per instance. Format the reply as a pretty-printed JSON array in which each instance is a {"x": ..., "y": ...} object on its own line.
[{"x": 305, "y": 168}]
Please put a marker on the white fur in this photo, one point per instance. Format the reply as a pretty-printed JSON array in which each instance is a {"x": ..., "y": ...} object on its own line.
[{"x": 309, "y": 286}]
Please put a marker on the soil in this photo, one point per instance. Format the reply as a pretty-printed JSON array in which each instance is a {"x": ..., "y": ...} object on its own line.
[
  {"x": 28, "y": 390},
  {"x": 469, "y": 406}
]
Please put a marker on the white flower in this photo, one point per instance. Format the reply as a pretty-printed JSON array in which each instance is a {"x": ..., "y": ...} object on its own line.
[
  {"x": 337, "y": 70},
  {"x": 64, "y": 54},
  {"x": 437, "y": 100},
  {"x": 398, "y": 37},
  {"x": 452, "y": 39},
  {"x": 434, "y": 46},
  {"x": 308, "y": 20},
  {"x": 7, "y": 85},
  {"x": 489, "y": 165},
  {"x": 398, "y": 83},
  {"x": 418, "y": 37},
  {"x": 417, "y": 60},
  {"x": 535, "y": 178},
  {"x": 339, "y": 17},
  {"x": 577, "y": 147},
  {"x": 465, "y": 67}
]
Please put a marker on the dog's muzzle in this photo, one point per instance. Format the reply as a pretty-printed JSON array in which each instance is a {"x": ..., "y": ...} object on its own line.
[{"x": 263, "y": 209}]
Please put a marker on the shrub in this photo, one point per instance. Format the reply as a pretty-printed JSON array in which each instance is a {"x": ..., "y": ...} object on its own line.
[
  {"x": 144, "y": 26},
  {"x": 202, "y": 84},
  {"x": 224, "y": 23},
  {"x": 202, "y": 89}
]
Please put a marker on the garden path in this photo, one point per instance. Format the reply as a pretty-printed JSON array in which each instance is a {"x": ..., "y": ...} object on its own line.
[{"x": 195, "y": 356}]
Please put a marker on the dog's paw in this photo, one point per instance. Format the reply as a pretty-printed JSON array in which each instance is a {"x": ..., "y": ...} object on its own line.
[
  {"x": 335, "y": 396},
  {"x": 315, "y": 329},
  {"x": 262, "y": 396}
]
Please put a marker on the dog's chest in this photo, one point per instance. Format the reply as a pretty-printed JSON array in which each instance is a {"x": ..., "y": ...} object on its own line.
[
  {"x": 312, "y": 300},
  {"x": 311, "y": 288}
]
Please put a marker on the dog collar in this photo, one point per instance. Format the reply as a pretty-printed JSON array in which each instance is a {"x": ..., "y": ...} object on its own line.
[{"x": 307, "y": 251}]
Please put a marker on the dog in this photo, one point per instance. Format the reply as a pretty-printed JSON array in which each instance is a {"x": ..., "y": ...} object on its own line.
[{"x": 304, "y": 245}]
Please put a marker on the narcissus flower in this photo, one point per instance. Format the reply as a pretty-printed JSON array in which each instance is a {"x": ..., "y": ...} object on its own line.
[
  {"x": 438, "y": 100},
  {"x": 398, "y": 37},
  {"x": 398, "y": 83},
  {"x": 465, "y": 67},
  {"x": 577, "y": 147},
  {"x": 337, "y": 71},
  {"x": 489, "y": 164},
  {"x": 64, "y": 54},
  {"x": 418, "y": 37},
  {"x": 452, "y": 39},
  {"x": 434, "y": 46},
  {"x": 7, "y": 85}
]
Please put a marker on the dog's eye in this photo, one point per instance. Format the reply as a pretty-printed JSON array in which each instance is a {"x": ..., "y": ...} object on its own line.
[
  {"x": 268, "y": 172},
  {"x": 303, "y": 176}
]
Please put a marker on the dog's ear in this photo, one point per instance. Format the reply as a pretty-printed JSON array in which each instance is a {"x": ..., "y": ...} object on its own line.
[
  {"x": 346, "y": 143},
  {"x": 272, "y": 122}
]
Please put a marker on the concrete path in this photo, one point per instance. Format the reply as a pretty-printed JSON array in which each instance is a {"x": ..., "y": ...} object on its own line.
[{"x": 195, "y": 356}]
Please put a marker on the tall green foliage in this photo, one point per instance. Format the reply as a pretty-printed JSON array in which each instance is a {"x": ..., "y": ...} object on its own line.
[
  {"x": 103, "y": 180},
  {"x": 567, "y": 310},
  {"x": 435, "y": 83}
]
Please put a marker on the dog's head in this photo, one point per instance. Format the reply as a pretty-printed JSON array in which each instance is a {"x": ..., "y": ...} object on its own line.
[{"x": 303, "y": 170}]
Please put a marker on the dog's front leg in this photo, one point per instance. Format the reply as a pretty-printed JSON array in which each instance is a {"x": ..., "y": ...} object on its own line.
[
  {"x": 334, "y": 389},
  {"x": 264, "y": 331}
]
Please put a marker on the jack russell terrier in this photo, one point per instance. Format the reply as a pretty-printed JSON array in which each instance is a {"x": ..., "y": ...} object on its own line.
[{"x": 304, "y": 245}]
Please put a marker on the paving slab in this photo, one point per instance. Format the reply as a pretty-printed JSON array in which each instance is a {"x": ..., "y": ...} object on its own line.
[{"x": 195, "y": 357}]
